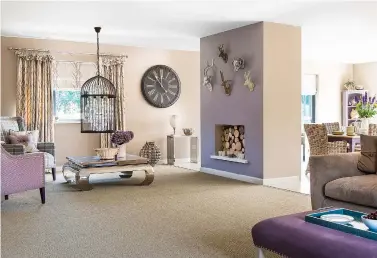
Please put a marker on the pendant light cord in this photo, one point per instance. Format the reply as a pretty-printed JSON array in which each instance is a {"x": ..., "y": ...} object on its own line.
[
  {"x": 98, "y": 53},
  {"x": 97, "y": 29}
]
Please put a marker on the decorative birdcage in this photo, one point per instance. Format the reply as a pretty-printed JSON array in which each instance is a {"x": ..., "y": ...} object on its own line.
[{"x": 98, "y": 102}]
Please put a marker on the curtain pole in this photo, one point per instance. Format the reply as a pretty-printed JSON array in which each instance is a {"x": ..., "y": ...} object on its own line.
[{"x": 66, "y": 53}]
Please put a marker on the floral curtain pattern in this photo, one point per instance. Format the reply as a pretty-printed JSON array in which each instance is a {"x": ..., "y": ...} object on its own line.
[
  {"x": 111, "y": 67},
  {"x": 34, "y": 92}
]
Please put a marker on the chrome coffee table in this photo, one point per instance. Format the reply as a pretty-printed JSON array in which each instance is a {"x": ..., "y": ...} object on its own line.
[{"x": 77, "y": 170}]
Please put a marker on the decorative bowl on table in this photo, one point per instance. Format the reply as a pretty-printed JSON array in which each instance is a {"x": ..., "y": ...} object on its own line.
[
  {"x": 370, "y": 221},
  {"x": 188, "y": 131},
  {"x": 107, "y": 153},
  {"x": 337, "y": 132}
]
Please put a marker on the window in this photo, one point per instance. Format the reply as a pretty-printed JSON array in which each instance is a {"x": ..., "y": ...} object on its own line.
[
  {"x": 308, "y": 97},
  {"x": 69, "y": 76},
  {"x": 67, "y": 105}
]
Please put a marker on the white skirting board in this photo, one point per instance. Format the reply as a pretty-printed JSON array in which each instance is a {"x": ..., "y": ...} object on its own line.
[{"x": 243, "y": 178}]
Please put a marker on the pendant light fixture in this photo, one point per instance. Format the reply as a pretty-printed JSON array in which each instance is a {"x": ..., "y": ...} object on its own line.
[{"x": 98, "y": 102}]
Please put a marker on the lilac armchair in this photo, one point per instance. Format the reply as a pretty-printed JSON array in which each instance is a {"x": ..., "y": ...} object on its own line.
[{"x": 21, "y": 173}]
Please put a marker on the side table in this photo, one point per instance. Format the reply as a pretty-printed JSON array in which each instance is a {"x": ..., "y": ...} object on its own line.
[{"x": 171, "y": 148}]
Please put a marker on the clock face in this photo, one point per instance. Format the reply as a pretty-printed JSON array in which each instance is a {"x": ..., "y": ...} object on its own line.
[{"x": 160, "y": 86}]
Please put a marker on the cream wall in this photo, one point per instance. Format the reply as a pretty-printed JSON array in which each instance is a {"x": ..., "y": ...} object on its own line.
[
  {"x": 331, "y": 77},
  {"x": 148, "y": 123},
  {"x": 366, "y": 75},
  {"x": 281, "y": 100}
]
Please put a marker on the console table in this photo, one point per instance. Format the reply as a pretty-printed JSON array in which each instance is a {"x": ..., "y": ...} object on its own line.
[{"x": 171, "y": 148}]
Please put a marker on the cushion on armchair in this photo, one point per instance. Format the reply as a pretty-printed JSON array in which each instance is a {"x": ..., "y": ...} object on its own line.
[
  {"x": 360, "y": 190},
  {"x": 27, "y": 140},
  {"x": 368, "y": 160}
]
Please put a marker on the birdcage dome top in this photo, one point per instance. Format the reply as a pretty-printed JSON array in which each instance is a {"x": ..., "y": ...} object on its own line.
[{"x": 98, "y": 86}]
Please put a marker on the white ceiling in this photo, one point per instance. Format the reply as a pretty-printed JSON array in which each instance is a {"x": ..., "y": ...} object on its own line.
[{"x": 336, "y": 31}]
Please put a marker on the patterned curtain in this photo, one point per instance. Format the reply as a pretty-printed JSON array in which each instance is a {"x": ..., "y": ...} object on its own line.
[
  {"x": 112, "y": 69},
  {"x": 34, "y": 92}
]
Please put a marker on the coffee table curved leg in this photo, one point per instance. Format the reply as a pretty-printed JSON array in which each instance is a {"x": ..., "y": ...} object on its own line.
[
  {"x": 72, "y": 176},
  {"x": 149, "y": 176},
  {"x": 82, "y": 183}
]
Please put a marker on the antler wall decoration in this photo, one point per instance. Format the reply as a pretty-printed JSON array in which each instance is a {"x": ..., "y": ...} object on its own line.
[
  {"x": 222, "y": 53},
  {"x": 248, "y": 82},
  {"x": 207, "y": 79},
  {"x": 227, "y": 84}
]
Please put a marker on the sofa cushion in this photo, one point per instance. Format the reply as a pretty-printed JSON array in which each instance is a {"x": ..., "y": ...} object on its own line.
[
  {"x": 368, "y": 160},
  {"x": 360, "y": 190}
]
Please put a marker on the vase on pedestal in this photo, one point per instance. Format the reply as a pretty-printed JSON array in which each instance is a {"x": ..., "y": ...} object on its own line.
[
  {"x": 364, "y": 127},
  {"x": 122, "y": 150},
  {"x": 152, "y": 152}
]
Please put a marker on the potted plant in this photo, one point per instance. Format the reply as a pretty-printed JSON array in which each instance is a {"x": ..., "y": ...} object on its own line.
[
  {"x": 367, "y": 109},
  {"x": 120, "y": 138}
]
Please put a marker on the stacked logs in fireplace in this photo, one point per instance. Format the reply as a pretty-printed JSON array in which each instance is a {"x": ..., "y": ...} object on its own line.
[{"x": 233, "y": 139}]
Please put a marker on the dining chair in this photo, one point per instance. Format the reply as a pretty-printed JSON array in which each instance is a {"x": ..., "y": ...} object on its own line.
[
  {"x": 330, "y": 127},
  {"x": 373, "y": 129},
  {"x": 319, "y": 144}
]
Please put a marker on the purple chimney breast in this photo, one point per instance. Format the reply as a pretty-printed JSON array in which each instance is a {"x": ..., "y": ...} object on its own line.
[{"x": 242, "y": 107}]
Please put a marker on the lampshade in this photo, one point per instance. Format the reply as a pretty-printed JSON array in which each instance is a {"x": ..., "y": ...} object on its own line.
[{"x": 174, "y": 121}]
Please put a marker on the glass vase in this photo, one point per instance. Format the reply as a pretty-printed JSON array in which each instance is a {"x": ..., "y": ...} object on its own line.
[{"x": 364, "y": 127}]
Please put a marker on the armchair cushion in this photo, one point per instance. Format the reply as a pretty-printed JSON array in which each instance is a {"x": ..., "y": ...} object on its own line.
[
  {"x": 360, "y": 190},
  {"x": 27, "y": 140}
]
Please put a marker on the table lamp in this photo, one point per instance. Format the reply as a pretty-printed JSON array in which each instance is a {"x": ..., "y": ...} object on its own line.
[{"x": 173, "y": 122}]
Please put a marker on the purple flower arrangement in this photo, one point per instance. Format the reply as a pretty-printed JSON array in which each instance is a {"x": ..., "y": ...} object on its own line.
[
  {"x": 122, "y": 137},
  {"x": 367, "y": 106}
]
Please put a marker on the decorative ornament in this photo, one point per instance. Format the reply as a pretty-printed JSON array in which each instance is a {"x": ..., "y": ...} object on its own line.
[
  {"x": 207, "y": 79},
  {"x": 248, "y": 82},
  {"x": 350, "y": 85},
  {"x": 238, "y": 64},
  {"x": 98, "y": 102},
  {"x": 223, "y": 54},
  {"x": 150, "y": 151},
  {"x": 227, "y": 84}
]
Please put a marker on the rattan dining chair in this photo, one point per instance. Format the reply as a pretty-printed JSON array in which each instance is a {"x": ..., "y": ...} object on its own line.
[
  {"x": 319, "y": 144},
  {"x": 330, "y": 127},
  {"x": 373, "y": 129}
]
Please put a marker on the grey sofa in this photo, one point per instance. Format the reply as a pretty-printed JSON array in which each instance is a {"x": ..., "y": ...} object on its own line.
[{"x": 336, "y": 181}]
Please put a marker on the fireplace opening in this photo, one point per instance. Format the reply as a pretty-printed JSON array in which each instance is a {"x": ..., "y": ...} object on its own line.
[{"x": 230, "y": 143}]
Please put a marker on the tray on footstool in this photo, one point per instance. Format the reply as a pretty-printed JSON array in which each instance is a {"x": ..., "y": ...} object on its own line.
[{"x": 292, "y": 236}]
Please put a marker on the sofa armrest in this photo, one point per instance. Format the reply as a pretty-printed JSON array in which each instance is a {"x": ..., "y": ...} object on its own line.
[
  {"x": 14, "y": 149},
  {"x": 48, "y": 147},
  {"x": 324, "y": 169}
]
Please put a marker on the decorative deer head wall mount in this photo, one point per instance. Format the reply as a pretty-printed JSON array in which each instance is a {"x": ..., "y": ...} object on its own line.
[
  {"x": 238, "y": 63},
  {"x": 227, "y": 84},
  {"x": 222, "y": 53},
  {"x": 207, "y": 79},
  {"x": 248, "y": 82}
]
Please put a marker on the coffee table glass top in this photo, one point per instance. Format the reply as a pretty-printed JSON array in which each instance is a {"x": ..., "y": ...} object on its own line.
[{"x": 95, "y": 161}]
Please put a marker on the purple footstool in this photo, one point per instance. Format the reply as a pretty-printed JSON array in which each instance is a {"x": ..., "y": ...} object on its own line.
[{"x": 290, "y": 236}]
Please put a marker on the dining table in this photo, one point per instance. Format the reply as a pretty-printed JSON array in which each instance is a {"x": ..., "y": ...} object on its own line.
[{"x": 351, "y": 140}]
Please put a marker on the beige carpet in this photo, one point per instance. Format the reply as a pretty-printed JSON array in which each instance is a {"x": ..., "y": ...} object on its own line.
[{"x": 182, "y": 214}]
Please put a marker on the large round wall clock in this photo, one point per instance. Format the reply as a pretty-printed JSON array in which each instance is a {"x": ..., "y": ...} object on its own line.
[{"x": 160, "y": 86}]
